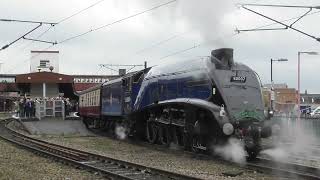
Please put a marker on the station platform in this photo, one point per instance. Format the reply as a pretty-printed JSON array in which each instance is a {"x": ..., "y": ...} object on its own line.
[{"x": 56, "y": 126}]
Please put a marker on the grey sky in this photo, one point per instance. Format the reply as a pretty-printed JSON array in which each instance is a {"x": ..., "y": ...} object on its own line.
[{"x": 208, "y": 22}]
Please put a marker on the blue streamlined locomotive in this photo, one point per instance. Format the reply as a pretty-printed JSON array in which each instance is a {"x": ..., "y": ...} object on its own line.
[{"x": 195, "y": 104}]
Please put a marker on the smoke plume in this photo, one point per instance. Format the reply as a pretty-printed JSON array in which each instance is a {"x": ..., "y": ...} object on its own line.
[{"x": 206, "y": 16}]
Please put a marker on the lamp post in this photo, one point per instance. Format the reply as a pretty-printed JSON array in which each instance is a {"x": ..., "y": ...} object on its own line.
[
  {"x": 298, "y": 97},
  {"x": 272, "y": 96}
]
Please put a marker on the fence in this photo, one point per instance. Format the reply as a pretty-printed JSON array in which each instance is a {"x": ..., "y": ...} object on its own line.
[{"x": 54, "y": 108}]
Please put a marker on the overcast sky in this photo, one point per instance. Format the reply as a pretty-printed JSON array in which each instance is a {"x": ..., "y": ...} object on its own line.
[{"x": 210, "y": 23}]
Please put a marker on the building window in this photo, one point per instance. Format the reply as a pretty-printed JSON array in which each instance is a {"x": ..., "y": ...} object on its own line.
[{"x": 44, "y": 63}]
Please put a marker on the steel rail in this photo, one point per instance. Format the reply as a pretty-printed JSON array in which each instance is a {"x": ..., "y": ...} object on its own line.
[
  {"x": 107, "y": 166},
  {"x": 285, "y": 169},
  {"x": 260, "y": 164}
]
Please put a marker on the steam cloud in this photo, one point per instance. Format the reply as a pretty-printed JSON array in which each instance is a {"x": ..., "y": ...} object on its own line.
[
  {"x": 205, "y": 17},
  {"x": 232, "y": 151},
  {"x": 294, "y": 142},
  {"x": 121, "y": 132}
]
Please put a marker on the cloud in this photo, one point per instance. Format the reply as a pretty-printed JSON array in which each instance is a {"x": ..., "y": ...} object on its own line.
[{"x": 195, "y": 21}]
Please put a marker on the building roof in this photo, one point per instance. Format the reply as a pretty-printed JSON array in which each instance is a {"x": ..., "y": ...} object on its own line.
[
  {"x": 44, "y": 51},
  {"x": 43, "y": 77},
  {"x": 283, "y": 85},
  {"x": 78, "y": 87}
]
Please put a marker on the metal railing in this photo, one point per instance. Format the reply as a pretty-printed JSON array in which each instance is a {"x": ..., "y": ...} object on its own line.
[{"x": 50, "y": 108}]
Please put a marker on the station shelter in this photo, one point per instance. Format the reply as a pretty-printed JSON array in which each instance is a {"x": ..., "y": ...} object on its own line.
[
  {"x": 49, "y": 89},
  {"x": 45, "y": 85}
]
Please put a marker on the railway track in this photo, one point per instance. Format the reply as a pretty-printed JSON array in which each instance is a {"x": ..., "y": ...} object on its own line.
[
  {"x": 106, "y": 166},
  {"x": 117, "y": 169},
  {"x": 282, "y": 169},
  {"x": 289, "y": 170}
]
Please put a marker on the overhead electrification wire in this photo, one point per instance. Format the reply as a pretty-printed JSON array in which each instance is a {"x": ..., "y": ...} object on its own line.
[
  {"x": 64, "y": 19},
  {"x": 285, "y": 26},
  {"x": 201, "y": 44},
  {"x": 59, "y": 22},
  {"x": 79, "y": 12},
  {"x": 294, "y": 18},
  {"x": 196, "y": 46},
  {"x": 37, "y": 54},
  {"x": 159, "y": 43},
  {"x": 107, "y": 25},
  {"x": 115, "y": 22}
]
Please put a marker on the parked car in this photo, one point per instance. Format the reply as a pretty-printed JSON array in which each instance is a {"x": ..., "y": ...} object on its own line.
[{"x": 315, "y": 113}]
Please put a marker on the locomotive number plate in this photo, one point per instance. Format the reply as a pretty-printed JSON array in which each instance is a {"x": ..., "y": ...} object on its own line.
[{"x": 238, "y": 79}]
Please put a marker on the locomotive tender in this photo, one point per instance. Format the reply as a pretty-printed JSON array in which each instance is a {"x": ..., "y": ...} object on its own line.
[{"x": 196, "y": 104}]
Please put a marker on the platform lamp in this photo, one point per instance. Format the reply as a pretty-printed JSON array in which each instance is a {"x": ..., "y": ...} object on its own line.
[
  {"x": 298, "y": 96},
  {"x": 272, "y": 96}
]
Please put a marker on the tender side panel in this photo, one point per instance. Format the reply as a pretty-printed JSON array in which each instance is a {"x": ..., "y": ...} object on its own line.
[
  {"x": 89, "y": 103},
  {"x": 112, "y": 99}
]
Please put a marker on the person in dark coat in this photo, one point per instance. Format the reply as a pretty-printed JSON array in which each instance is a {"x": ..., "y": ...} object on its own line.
[
  {"x": 33, "y": 108},
  {"x": 21, "y": 108},
  {"x": 28, "y": 108}
]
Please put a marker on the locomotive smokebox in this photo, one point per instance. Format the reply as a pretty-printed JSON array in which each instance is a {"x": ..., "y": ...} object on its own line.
[{"x": 222, "y": 58}]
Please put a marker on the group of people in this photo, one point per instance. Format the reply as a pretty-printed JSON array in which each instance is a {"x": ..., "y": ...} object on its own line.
[{"x": 26, "y": 107}]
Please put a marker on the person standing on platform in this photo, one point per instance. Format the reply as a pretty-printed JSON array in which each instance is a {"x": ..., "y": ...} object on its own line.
[
  {"x": 28, "y": 108},
  {"x": 33, "y": 108},
  {"x": 21, "y": 108}
]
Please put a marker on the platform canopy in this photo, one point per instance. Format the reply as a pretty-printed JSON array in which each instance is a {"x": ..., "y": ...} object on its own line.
[{"x": 43, "y": 77}]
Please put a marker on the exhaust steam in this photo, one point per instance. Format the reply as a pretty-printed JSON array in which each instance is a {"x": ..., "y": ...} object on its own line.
[
  {"x": 121, "y": 132},
  {"x": 232, "y": 151}
]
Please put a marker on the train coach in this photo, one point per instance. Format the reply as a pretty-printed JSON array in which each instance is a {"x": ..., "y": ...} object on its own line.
[{"x": 195, "y": 104}]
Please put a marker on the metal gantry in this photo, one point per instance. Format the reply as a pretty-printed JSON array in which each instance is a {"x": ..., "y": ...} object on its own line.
[
  {"x": 40, "y": 23},
  {"x": 130, "y": 66},
  {"x": 285, "y": 26}
]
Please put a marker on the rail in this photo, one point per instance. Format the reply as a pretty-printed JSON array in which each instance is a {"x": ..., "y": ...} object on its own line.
[{"x": 107, "y": 166}]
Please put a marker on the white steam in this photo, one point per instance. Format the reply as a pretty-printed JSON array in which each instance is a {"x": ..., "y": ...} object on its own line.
[
  {"x": 121, "y": 132},
  {"x": 295, "y": 143},
  {"x": 206, "y": 16},
  {"x": 232, "y": 151}
]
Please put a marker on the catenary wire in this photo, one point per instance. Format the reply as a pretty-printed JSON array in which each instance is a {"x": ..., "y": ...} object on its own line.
[
  {"x": 200, "y": 44},
  {"x": 59, "y": 22},
  {"x": 115, "y": 22}
]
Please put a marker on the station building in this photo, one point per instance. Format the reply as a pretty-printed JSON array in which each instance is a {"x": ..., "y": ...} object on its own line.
[{"x": 45, "y": 81}]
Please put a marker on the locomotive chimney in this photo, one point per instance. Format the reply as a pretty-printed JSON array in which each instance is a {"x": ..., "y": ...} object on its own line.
[{"x": 222, "y": 58}]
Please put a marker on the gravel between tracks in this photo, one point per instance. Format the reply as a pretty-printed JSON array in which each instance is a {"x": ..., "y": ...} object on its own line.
[
  {"x": 17, "y": 163},
  {"x": 176, "y": 161}
]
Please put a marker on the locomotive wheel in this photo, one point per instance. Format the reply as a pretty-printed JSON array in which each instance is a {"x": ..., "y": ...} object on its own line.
[
  {"x": 175, "y": 138},
  {"x": 152, "y": 132},
  {"x": 84, "y": 120},
  {"x": 195, "y": 143},
  {"x": 164, "y": 135},
  {"x": 253, "y": 152}
]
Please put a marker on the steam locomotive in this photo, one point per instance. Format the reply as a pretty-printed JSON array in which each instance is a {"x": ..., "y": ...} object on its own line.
[{"x": 195, "y": 104}]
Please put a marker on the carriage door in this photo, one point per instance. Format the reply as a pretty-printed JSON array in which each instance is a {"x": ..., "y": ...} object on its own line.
[{"x": 127, "y": 87}]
